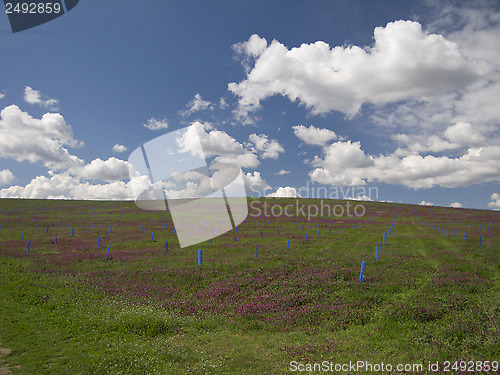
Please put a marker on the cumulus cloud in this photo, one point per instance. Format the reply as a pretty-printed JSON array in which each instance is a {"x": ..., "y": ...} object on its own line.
[
  {"x": 313, "y": 135},
  {"x": 346, "y": 164},
  {"x": 64, "y": 186},
  {"x": 193, "y": 184},
  {"x": 202, "y": 140},
  {"x": 155, "y": 124},
  {"x": 364, "y": 198},
  {"x": 341, "y": 165},
  {"x": 2, "y": 96},
  {"x": 222, "y": 103},
  {"x": 495, "y": 201},
  {"x": 112, "y": 169},
  {"x": 268, "y": 148},
  {"x": 282, "y": 172},
  {"x": 198, "y": 104},
  {"x": 419, "y": 143},
  {"x": 213, "y": 142},
  {"x": 218, "y": 144},
  {"x": 35, "y": 97},
  {"x": 6, "y": 177},
  {"x": 244, "y": 160},
  {"x": 405, "y": 62},
  {"x": 462, "y": 133},
  {"x": 254, "y": 47},
  {"x": 285, "y": 192},
  {"x": 456, "y": 205},
  {"x": 25, "y": 138},
  {"x": 435, "y": 114},
  {"x": 478, "y": 103},
  {"x": 456, "y": 136},
  {"x": 255, "y": 183},
  {"x": 244, "y": 117},
  {"x": 474, "y": 28},
  {"x": 119, "y": 148},
  {"x": 424, "y": 203}
]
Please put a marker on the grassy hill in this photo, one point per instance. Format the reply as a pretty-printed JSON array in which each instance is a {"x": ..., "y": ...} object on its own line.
[{"x": 259, "y": 303}]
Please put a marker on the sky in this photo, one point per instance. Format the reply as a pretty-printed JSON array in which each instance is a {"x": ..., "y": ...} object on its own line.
[{"x": 375, "y": 100}]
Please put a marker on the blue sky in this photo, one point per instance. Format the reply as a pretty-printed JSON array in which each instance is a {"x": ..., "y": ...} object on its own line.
[{"x": 398, "y": 96}]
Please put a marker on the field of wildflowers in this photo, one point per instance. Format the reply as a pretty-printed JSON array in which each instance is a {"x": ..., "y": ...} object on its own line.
[{"x": 272, "y": 291}]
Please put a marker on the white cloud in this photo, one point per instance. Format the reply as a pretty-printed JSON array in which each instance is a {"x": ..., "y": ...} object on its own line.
[
  {"x": 254, "y": 47},
  {"x": 245, "y": 160},
  {"x": 282, "y": 172},
  {"x": 341, "y": 165},
  {"x": 456, "y": 205},
  {"x": 404, "y": 63},
  {"x": 25, "y": 138},
  {"x": 35, "y": 97},
  {"x": 6, "y": 177},
  {"x": 364, "y": 198},
  {"x": 422, "y": 114},
  {"x": 419, "y": 143},
  {"x": 474, "y": 28},
  {"x": 213, "y": 142},
  {"x": 284, "y": 192},
  {"x": 269, "y": 148},
  {"x": 259, "y": 141},
  {"x": 119, "y": 148},
  {"x": 313, "y": 135},
  {"x": 191, "y": 190},
  {"x": 474, "y": 109},
  {"x": 424, "y": 203},
  {"x": 346, "y": 164},
  {"x": 218, "y": 144},
  {"x": 495, "y": 201},
  {"x": 68, "y": 187},
  {"x": 2, "y": 96},
  {"x": 272, "y": 150},
  {"x": 222, "y": 103},
  {"x": 255, "y": 183},
  {"x": 478, "y": 103},
  {"x": 198, "y": 104},
  {"x": 462, "y": 133},
  {"x": 243, "y": 116},
  {"x": 455, "y": 136},
  {"x": 193, "y": 184},
  {"x": 155, "y": 124},
  {"x": 109, "y": 170}
]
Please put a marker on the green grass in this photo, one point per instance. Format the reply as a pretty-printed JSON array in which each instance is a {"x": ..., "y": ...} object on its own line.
[{"x": 429, "y": 298}]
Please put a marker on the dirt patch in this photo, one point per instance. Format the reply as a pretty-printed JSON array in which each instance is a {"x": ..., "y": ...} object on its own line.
[{"x": 4, "y": 369}]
